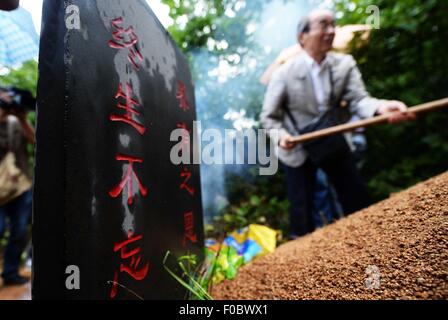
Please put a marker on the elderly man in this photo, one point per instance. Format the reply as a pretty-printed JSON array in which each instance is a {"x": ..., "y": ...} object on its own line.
[{"x": 300, "y": 92}]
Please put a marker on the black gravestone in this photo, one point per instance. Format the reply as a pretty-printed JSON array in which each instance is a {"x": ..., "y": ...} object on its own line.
[{"x": 107, "y": 198}]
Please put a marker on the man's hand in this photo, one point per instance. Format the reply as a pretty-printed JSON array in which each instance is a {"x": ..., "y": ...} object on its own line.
[
  {"x": 287, "y": 142},
  {"x": 396, "y": 111}
]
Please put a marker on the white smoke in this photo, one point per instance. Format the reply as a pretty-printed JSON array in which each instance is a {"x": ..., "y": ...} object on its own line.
[{"x": 228, "y": 92}]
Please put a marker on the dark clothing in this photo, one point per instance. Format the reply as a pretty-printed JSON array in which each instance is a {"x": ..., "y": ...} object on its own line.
[
  {"x": 326, "y": 208},
  {"x": 17, "y": 213},
  {"x": 342, "y": 174}
]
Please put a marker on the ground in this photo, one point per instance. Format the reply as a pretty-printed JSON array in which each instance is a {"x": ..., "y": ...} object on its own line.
[
  {"x": 17, "y": 292},
  {"x": 396, "y": 249}
]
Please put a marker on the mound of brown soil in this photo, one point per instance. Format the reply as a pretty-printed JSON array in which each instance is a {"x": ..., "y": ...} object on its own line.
[{"x": 396, "y": 249}]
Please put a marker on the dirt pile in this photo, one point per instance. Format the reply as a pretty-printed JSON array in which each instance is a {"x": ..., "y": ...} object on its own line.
[{"x": 396, "y": 249}]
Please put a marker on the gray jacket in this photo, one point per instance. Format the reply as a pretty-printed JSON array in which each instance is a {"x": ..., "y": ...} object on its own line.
[{"x": 292, "y": 84}]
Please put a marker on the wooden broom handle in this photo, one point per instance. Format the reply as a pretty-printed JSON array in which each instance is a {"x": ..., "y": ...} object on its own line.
[{"x": 426, "y": 107}]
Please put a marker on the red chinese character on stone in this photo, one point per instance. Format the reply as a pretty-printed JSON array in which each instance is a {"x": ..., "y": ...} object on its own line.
[
  {"x": 186, "y": 175},
  {"x": 126, "y": 38},
  {"x": 128, "y": 180},
  {"x": 189, "y": 234},
  {"x": 182, "y": 96},
  {"x": 131, "y": 266},
  {"x": 128, "y": 106}
]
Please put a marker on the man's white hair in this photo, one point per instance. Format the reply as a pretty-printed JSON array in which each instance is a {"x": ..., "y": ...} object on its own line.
[{"x": 305, "y": 21}]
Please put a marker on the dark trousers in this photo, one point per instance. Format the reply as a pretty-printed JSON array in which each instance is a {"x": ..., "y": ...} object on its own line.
[
  {"x": 325, "y": 204},
  {"x": 342, "y": 174},
  {"x": 18, "y": 212}
]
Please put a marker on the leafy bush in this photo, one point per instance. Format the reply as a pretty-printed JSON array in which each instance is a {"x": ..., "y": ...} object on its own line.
[
  {"x": 406, "y": 60},
  {"x": 260, "y": 200}
]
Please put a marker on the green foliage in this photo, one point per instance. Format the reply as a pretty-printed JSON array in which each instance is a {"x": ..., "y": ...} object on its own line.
[
  {"x": 197, "y": 21},
  {"x": 24, "y": 77},
  {"x": 253, "y": 199},
  {"x": 197, "y": 28},
  {"x": 215, "y": 35},
  {"x": 404, "y": 60},
  {"x": 185, "y": 272}
]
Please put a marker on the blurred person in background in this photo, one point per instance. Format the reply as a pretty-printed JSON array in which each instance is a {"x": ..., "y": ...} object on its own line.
[{"x": 15, "y": 207}]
